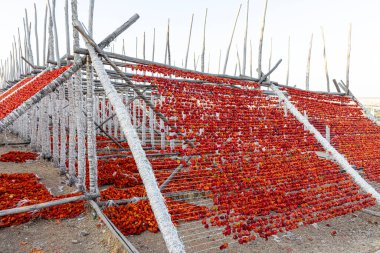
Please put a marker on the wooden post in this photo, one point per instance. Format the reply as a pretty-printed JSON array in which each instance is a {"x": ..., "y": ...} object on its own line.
[
  {"x": 308, "y": 64},
  {"x": 251, "y": 59},
  {"x": 90, "y": 106},
  {"x": 259, "y": 68},
  {"x": 77, "y": 113},
  {"x": 348, "y": 57},
  {"x": 245, "y": 41},
  {"x": 220, "y": 57},
  {"x": 167, "y": 47},
  {"x": 36, "y": 34},
  {"x": 229, "y": 45},
  {"x": 188, "y": 43},
  {"x": 325, "y": 58},
  {"x": 50, "y": 52},
  {"x": 154, "y": 43},
  {"x": 238, "y": 60},
  {"x": 288, "y": 69},
  {"x": 63, "y": 134},
  {"x": 204, "y": 45},
  {"x": 270, "y": 58},
  {"x": 56, "y": 36},
  {"x": 67, "y": 29},
  {"x": 44, "y": 60}
]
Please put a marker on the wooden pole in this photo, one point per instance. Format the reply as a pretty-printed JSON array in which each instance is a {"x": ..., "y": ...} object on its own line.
[
  {"x": 348, "y": 57},
  {"x": 251, "y": 60},
  {"x": 188, "y": 43},
  {"x": 259, "y": 68},
  {"x": 44, "y": 60},
  {"x": 288, "y": 68},
  {"x": 37, "y": 207},
  {"x": 56, "y": 36},
  {"x": 220, "y": 58},
  {"x": 270, "y": 57},
  {"x": 325, "y": 58},
  {"x": 80, "y": 124},
  {"x": 238, "y": 59},
  {"x": 154, "y": 43},
  {"x": 90, "y": 106},
  {"x": 204, "y": 45},
  {"x": 229, "y": 45},
  {"x": 51, "y": 36},
  {"x": 67, "y": 29},
  {"x": 156, "y": 200},
  {"x": 245, "y": 42},
  {"x": 36, "y": 34},
  {"x": 308, "y": 64}
]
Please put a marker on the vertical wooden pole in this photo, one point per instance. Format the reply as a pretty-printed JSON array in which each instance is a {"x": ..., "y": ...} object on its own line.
[
  {"x": 154, "y": 43},
  {"x": 325, "y": 58},
  {"x": 56, "y": 36},
  {"x": 348, "y": 58},
  {"x": 238, "y": 59},
  {"x": 245, "y": 41},
  {"x": 220, "y": 58},
  {"x": 44, "y": 60},
  {"x": 288, "y": 68},
  {"x": 229, "y": 45},
  {"x": 36, "y": 35},
  {"x": 259, "y": 68},
  {"x": 188, "y": 42},
  {"x": 308, "y": 64},
  {"x": 90, "y": 106},
  {"x": 204, "y": 45},
  {"x": 51, "y": 36},
  {"x": 80, "y": 122},
  {"x": 270, "y": 58},
  {"x": 67, "y": 29}
]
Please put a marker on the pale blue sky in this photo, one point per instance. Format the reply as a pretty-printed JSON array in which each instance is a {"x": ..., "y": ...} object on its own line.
[{"x": 297, "y": 18}]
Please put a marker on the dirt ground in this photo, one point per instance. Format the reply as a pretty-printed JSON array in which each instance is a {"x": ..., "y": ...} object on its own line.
[
  {"x": 358, "y": 232},
  {"x": 82, "y": 234}
]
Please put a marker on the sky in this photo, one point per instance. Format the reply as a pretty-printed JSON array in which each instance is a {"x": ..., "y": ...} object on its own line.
[{"x": 295, "y": 18}]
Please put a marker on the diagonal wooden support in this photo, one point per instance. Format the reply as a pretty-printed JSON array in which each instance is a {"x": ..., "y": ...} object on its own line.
[
  {"x": 160, "y": 210},
  {"x": 15, "y": 114},
  {"x": 339, "y": 158}
]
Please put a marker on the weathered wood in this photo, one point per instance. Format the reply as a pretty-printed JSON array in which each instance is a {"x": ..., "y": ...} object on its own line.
[
  {"x": 44, "y": 60},
  {"x": 204, "y": 45},
  {"x": 325, "y": 58},
  {"x": 259, "y": 68},
  {"x": 144, "y": 167},
  {"x": 336, "y": 85},
  {"x": 67, "y": 29},
  {"x": 37, "y": 207},
  {"x": 188, "y": 43},
  {"x": 245, "y": 41},
  {"x": 308, "y": 64},
  {"x": 348, "y": 57},
  {"x": 90, "y": 107},
  {"x": 36, "y": 35},
  {"x": 288, "y": 66},
  {"x": 80, "y": 122},
  {"x": 270, "y": 58},
  {"x": 229, "y": 45}
]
